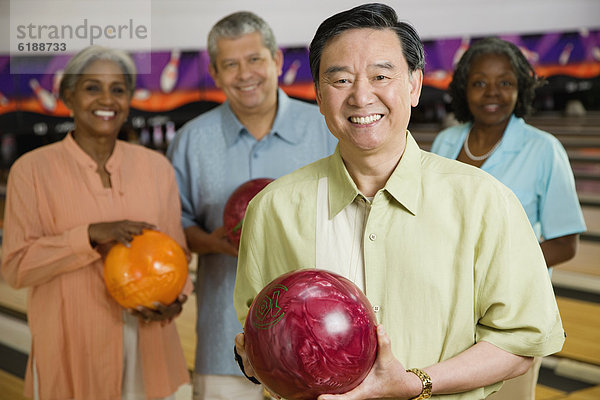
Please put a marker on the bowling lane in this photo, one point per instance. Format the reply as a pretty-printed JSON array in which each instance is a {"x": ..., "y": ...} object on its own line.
[
  {"x": 186, "y": 326},
  {"x": 15, "y": 301}
]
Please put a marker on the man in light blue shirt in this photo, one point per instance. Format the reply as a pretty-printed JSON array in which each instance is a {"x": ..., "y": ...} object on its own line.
[{"x": 258, "y": 132}]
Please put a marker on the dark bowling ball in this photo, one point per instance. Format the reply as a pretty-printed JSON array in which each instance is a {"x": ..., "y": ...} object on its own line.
[
  {"x": 236, "y": 205},
  {"x": 310, "y": 332}
]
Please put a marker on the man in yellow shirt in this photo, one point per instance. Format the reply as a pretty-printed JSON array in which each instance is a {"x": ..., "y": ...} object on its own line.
[{"x": 443, "y": 251}]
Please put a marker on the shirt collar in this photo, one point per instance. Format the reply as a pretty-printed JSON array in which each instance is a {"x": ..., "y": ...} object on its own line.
[
  {"x": 284, "y": 121},
  {"x": 231, "y": 126},
  {"x": 403, "y": 185},
  {"x": 282, "y": 126},
  {"x": 512, "y": 138},
  {"x": 83, "y": 159},
  {"x": 511, "y": 142},
  {"x": 342, "y": 189}
]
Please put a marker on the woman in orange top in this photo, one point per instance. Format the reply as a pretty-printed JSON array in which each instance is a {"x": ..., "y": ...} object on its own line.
[{"x": 67, "y": 204}]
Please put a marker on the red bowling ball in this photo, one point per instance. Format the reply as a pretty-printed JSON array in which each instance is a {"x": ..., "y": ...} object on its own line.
[
  {"x": 235, "y": 208},
  {"x": 310, "y": 332}
]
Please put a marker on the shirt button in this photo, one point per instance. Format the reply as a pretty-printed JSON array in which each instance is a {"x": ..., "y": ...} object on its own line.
[
  {"x": 372, "y": 236},
  {"x": 376, "y": 308}
]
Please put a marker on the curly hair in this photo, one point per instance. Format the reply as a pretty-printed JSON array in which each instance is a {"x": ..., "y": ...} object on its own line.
[{"x": 527, "y": 79}]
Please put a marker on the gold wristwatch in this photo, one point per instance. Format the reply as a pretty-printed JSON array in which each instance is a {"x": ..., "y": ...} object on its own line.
[{"x": 425, "y": 380}]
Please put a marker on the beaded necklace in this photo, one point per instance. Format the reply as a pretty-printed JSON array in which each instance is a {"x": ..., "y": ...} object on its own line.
[{"x": 482, "y": 157}]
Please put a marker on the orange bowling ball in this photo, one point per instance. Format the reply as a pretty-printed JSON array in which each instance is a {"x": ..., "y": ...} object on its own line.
[{"x": 154, "y": 268}]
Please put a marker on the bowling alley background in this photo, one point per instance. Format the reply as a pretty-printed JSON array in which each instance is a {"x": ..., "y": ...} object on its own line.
[
  {"x": 560, "y": 38},
  {"x": 179, "y": 87}
]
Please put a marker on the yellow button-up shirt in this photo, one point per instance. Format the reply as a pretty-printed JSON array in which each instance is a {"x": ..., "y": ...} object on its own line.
[{"x": 450, "y": 258}]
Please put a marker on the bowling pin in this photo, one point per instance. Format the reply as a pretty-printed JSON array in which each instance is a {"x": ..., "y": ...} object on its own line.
[
  {"x": 168, "y": 76},
  {"x": 144, "y": 137},
  {"x": 565, "y": 54},
  {"x": 3, "y": 100},
  {"x": 45, "y": 98},
  {"x": 141, "y": 94},
  {"x": 596, "y": 53},
  {"x": 40, "y": 129},
  {"x": 438, "y": 75},
  {"x": 9, "y": 147},
  {"x": 170, "y": 131},
  {"x": 464, "y": 45},
  {"x": 531, "y": 56},
  {"x": 157, "y": 136},
  {"x": 56, "y": 82},
  {"x": 290, "y": 75}
]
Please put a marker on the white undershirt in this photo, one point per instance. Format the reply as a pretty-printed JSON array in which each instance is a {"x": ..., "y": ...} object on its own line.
[
  {"x": 133, "y": 381},
  {"x": 339, "y": 241}
]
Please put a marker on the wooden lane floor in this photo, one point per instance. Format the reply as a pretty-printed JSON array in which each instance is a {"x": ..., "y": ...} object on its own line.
[
  {"x": 11, "y": 387},
  {"x": 16, "y": 336},
  {"x": 16, "y": 301},
  {"x": 545, "y": 393},
  {"x": 585, "y": 262},
  {"x": 186, "y": 326},
  {"x": 581, "y": 321}
]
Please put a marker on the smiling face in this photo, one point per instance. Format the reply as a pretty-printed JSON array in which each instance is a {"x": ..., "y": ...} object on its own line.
[
  {"x": 366, "y": 91},
  {"x": 492, "y": 90},
  {"x": 247, "y": 72},
  {"x": 100, "y": 100}
]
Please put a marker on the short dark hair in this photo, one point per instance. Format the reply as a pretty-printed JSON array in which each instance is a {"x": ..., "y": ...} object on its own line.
[
  {"x": 374, "y": 16},
  {"x": 527, "y": 79}
]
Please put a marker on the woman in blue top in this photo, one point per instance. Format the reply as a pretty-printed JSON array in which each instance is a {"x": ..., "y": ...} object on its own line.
[{"x": 492, "y": 89}]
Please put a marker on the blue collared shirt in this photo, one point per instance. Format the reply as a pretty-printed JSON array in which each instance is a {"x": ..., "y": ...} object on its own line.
[
  {"x": 213, "y": 154},
  {"x": 535, "y": 166}
]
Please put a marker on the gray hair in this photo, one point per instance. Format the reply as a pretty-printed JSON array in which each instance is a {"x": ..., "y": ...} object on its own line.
[
  {"x": 87, "y": 56},
  {"x": 238, "y": 24}
]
